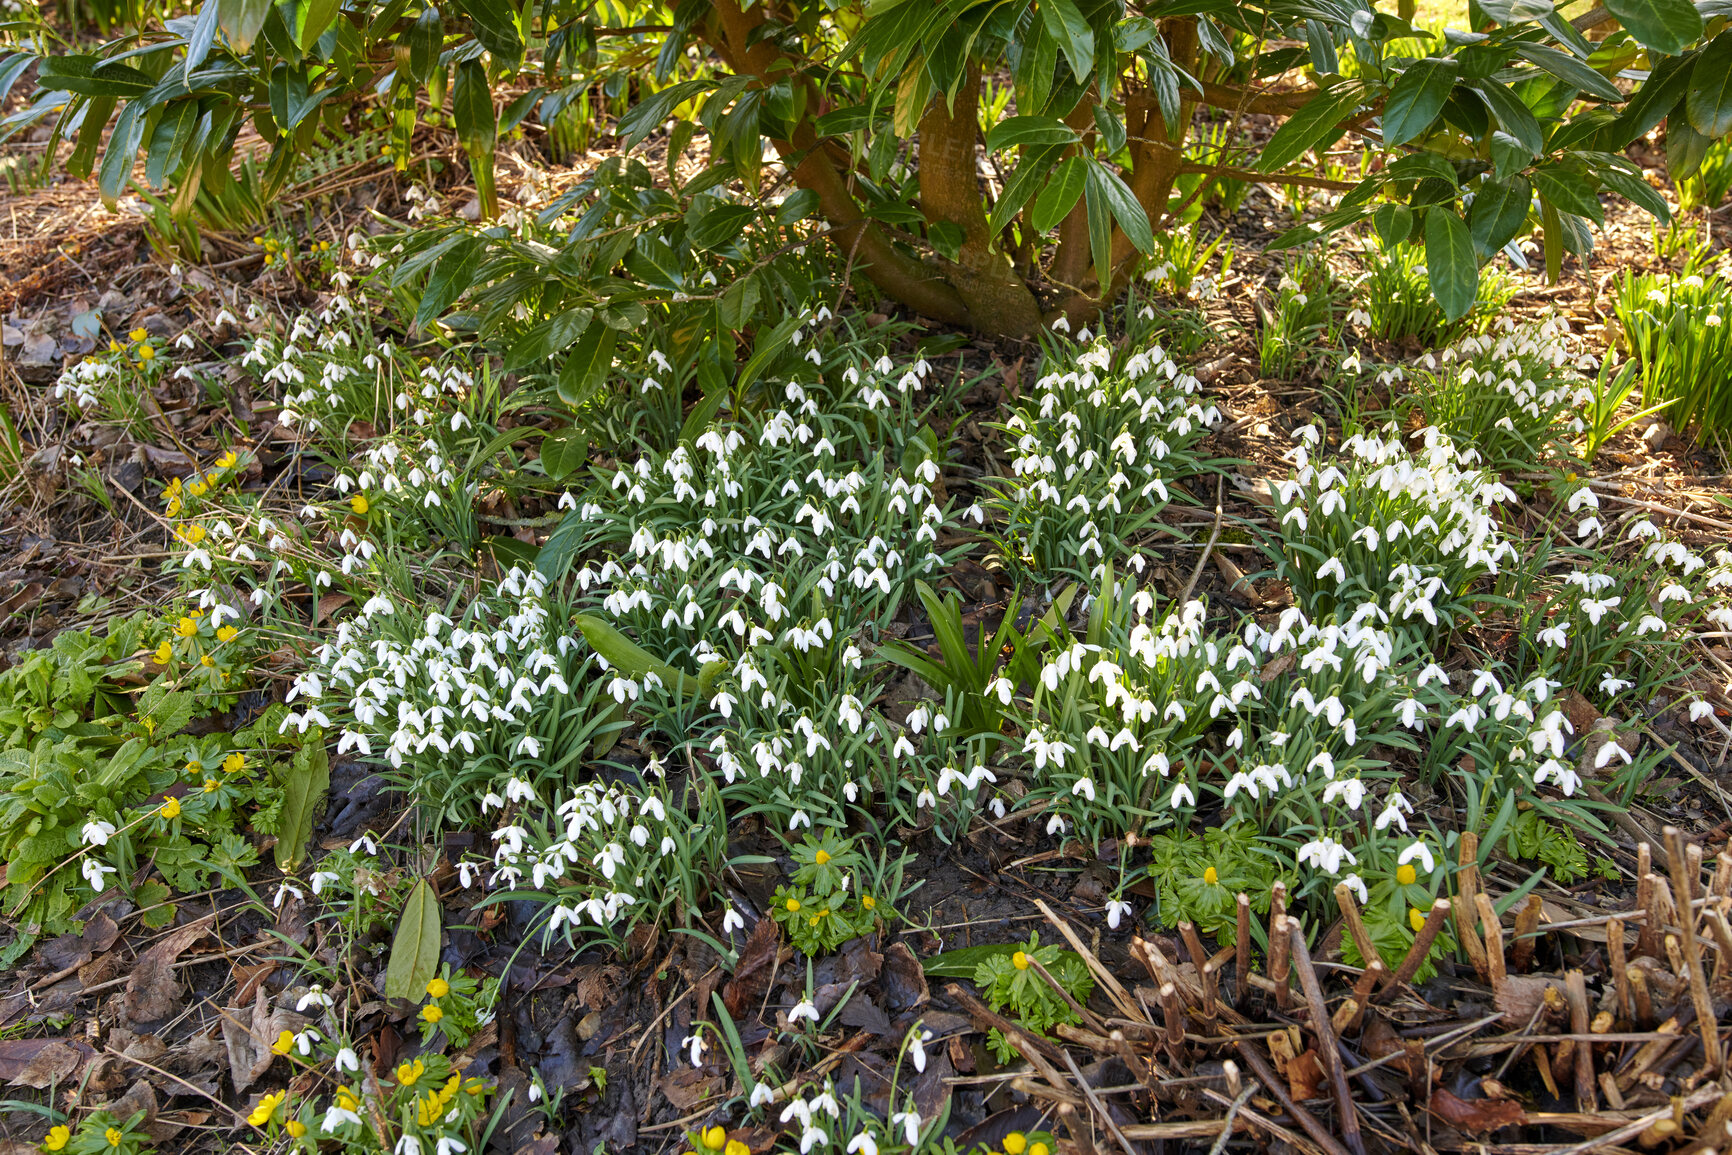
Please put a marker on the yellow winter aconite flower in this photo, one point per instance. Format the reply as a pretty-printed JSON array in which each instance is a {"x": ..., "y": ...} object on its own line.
[
  {"x": 735, "y": 1147},
  {"x": 285, "y": 1043},
  {"x": 207, "y": 661},
  {"x": 821, "y": 857},
  {"x": 210, "y": 785},
  {"x": 407, "y": 1073},
  {"x": 192, "y": 534},
  {"x": 716, "y": 1138},
  {"x": 438, "y": 987},
  {"x": 867, "y": 902},
  {"x": 235, "y": 763},
  {"x": 1405, "y": 874},
  {"x": 164, "y": 652},
  {"x": 1210, "y": 877},
  {"x": 295, "y": 1128},
  {"x": 170, "y": 808},
  {"x": 358, "y": 503},
  {"x": 113, "y": 1136},
  {"x": 145, "y": 353},
  {"x": 1039, "y": 1149},
  {"x": 431, "y": 1013},
  {"x": 197, "y": 487},
  {"x": 58, "y": 1137},
  {"x": 113, "y": 347},
  {"x": 1015, "y": 1143},
  {"x": 793, "y": 905},
  {"x": 1019, "y": 960},
  {"x": 227, "y": 633},
  {"x": 228, "y": 460},
  {"x": 267, "y": 1108},
  {"x": 139, "y": 335},
  {"x": 1415, "y": 919},
  {"x": 186, "y": 628}
]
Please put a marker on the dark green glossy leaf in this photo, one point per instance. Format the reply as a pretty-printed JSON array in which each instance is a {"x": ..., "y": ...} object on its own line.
[
  {"x": 547, "y": 338},
  {"x": 1029, "y": 130},
  {"x": 587, "y": 365},
  {"x": 1569, "y": 190},
  {"x": 1568, "y": 69},
  {"x": 452, "y": 274},
  {"x": 1060, "y": 194},
  {"x": 1709, "y": 102},
  {"x": 1450, "y": 262},
  {"x": 1499, "y": 210},
  {"x": 1316, "y": 123},
  {"x": 1123, "y": 206},
  {"x": 1065, "y": 24},
  {"x": 1668, "y": 26},
  {"x": 1417, "y": 98}
]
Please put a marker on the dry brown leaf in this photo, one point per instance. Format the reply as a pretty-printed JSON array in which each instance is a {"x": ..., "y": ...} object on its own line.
[
  {"x": 1477, "y": 1115},
  {"x": 248, "y": 1036},
  {"x": 152, "y": 991},
  {"x": 49, "y": 1062},
  {"x": 1305, "y": 1075},
  {"x": 687, "y": 1087},
  {"x": 745, "y": 990}
]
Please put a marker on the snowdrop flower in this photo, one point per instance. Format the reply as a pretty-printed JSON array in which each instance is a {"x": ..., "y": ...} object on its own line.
[
  {"x": 1700, "y": 710},
  {"x": 803, "y": 1010},
  {"x": 697, "y": 1045},
  {"x": 449, "y": 1146},
  {"x": 917, "y": 1047},
  {"x": 1420, "y": 851},
  {"x": 96, "y": 832},
  {"x": 1326, "y": 854},
  {"x": 909, "y": 1121},
  {"x": 1116, "y": 910},
  {"x": 1356, "y": 884},
  {"x": 762, "y": 1096},
  {"x": 731, "y": 921},
  {"x": 347, "y": 1060},
  {"x": 315, "y": 997},
  {"x": 863, "y": 1144},
  {"x": 407, "y": 1145},
  {"x": 93, "y": 872},
  {"x": 1182, "y": 796}
]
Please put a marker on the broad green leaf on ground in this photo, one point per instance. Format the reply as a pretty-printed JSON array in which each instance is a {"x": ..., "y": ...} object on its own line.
[
  {"x": 415, "y": 951},
  {"x": 305, "y": 785}
]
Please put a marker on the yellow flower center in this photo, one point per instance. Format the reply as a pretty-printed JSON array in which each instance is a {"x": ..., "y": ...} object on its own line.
[
  {"x": 793, "y": 905},
  {"x": 1210, "y": 877},
  {"x": 1406, "y": 875},
  {"x": 1019, "y": 960},
  {"x": 821, "y": 857}
]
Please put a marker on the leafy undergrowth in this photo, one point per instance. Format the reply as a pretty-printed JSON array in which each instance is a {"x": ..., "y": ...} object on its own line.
[{"x": 845, "y": 741}]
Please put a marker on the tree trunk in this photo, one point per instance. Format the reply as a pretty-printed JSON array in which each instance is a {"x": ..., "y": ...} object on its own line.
[
  {"x": 898, "y": 274},
  {"x": 997, "y": 298}
]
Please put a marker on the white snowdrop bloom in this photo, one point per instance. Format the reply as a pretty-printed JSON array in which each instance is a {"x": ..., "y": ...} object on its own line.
[
  {"x": 93, "y": 872},
  {"x": 1357, "y": 885},
  {"x": 1420, "y": 851},
  {"x": 1116, "y": 910},
  {"x": 695, "y": 1043},
  {"x": 97, "y": 832},
  {"x": 1700, "y": 710},
  {"x": 1182, "y": 796},
  {"x": 803, "y": 1010},
  {"x": 1326, "y": 854}
]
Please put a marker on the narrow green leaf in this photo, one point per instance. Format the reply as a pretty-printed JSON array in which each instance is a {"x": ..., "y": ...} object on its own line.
[
  {"x": 1568, "y": 69},
  {"x": 241, "y": 20},
  {"x": 1065, "y": 24},
  {"x": 1516, "y": 118},
  {"x": 204, "y": 31},
  {"x": 426, "y": 37},
  {"x": 173, "y": 130},
  {"x": 415, "y": 951},
  {"x": 123, "y": 145},
  {"x": 477, "y": 128},
  {"x": 1417, "y": 98},
  {"x": 1029, "y": 130},
  {"x": 1317, "y": 122},
  {"x": 1123, "y": 205},
  {"x": 1450, "y": 262},
  {"x": 1100, "y": 224},
  {"x": 1569, "y": 190},
  {"x": 628, "y": 657},
  {"x": 305, "y": 785},
  {"x": 315, "y": 17},
  {"x": 1024, "y": 179}
]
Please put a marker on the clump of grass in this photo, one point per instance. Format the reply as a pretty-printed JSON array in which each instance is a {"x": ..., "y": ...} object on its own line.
[
  {"x": 1395, "y": 301},
  {"x": 1674, "y": 328}
]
